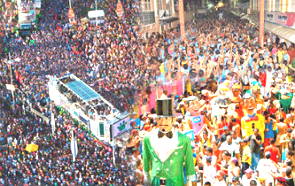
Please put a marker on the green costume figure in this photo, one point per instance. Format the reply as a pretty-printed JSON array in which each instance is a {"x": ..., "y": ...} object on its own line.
[
  {"x": 166, "y": 156},
  {"x": 285, "y": 100}
]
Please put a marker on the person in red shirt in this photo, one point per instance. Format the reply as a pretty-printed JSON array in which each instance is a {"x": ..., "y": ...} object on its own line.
[
  {"x": 274, "y": 151},
  {"x": 223, "y": 126},
  {"x": 262, "y": 78},
  {"x": 291, "y": 52},
  {"x": 272, "y": 108}
]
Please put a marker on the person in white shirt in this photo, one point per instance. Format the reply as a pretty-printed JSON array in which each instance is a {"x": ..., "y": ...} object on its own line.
[
  {"x": 267, "y": 169},
  {"x": 269, "y": 81},
  {"x": 236, "y": 139},
  {"x": 209, "y": 171},
  {"x": 219, "y": 180},
  {"x": 247, "y": 177},
  {"x": 209, "y": 153},
  {"x": 220, "y": 16},
  {"x": 229, "y": 146}
]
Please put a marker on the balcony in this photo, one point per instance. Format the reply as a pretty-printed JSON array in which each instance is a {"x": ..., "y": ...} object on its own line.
[{"x": 147, "y": 17}]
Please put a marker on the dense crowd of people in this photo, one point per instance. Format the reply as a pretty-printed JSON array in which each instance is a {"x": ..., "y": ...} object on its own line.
[
  {"x": 54, "y": 49},
  {"x": 53, "y": 163},
  {"x": 244, "y": 94},
  {"x": 220, "y": 65}
]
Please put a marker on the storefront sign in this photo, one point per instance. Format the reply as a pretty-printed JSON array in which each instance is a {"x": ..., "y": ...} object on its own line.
[{"x": 285, "y": 19}]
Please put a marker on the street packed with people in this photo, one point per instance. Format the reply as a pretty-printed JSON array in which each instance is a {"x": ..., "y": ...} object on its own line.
[
  {"x": 235, "y": 103},
  {"x": 55, "y": 50},
  {"x": 233, "y": 98}
]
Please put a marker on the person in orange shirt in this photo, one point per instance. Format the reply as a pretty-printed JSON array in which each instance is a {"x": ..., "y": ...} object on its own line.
[
  {"x": 237, "y": 100},
  {"x": 236, "y": 91},
  {"x": 258, "y": 99}
]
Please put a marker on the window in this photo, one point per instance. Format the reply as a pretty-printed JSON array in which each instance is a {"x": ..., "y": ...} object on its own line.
[
  {"x": 146, "y": 5},
  {"x": 147, "y": 17}
]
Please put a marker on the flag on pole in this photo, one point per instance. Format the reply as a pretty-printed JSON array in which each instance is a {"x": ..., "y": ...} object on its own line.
[
  {"x": 74, "y": 146},
  {"x": 52, "y": 121}
]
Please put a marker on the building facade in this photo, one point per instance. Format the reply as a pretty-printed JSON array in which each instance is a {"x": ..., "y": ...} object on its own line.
[
  {"x": 279, "y": 17},
  {"x": 160, "y": 15},
  {"x": 274, "y": 5},
  {"x": 153, "y": 12}
]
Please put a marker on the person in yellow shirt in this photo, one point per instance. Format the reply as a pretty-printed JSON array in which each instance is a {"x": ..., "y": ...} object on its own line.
[
  {"x": 206, "y": 138},
  {"x": 280, "y": 55},
  {"x": 246, "y": 154},
  {"x": 252, "y": 120}
]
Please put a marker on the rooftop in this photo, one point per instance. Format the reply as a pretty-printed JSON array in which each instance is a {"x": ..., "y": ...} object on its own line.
[{"x": 82, "y": 90}]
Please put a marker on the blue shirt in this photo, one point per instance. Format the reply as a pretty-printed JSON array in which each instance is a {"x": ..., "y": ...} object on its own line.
[
  {"x": 251, "y": 63},
  {"x": 269, "y": 133}
]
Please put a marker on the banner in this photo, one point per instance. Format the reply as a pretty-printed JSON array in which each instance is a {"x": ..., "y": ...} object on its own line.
[
  {"x": 52, "y": 121},
  {"x": 74, "y": 146},
  {"x": 281, "y": 18},
  {"x": 120, "y": 127},
  {"x": 197, "y": 123},
  {"x": 40, "y": 115}
]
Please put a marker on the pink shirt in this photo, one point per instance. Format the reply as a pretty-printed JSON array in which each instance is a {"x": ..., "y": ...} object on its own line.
[{"x": 274, "y": 51}]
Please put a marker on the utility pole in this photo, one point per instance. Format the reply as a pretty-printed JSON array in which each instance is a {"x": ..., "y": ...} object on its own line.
[
  {"x": 261, "y": 23},
  {"x": 157, "y": 18},
  {"x": 181, "y": 19},
  {"x": 96, "y": 9},
  {"x": 113, "y": 151}
]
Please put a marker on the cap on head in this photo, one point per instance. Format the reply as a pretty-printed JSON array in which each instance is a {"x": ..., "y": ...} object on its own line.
[
  {"x": 249, "y": 170},
  {"x": 267, "y": 154}
]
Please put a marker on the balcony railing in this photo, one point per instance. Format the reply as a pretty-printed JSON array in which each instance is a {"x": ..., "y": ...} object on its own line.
[{"x": 147, "y": 17}]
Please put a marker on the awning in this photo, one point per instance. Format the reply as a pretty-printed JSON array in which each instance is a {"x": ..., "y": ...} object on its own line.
[
  {"x": 283, "y": 32},
  {"x": 167, "y": 20}
]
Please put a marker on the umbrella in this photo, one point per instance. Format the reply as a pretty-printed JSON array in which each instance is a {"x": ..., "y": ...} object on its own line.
[{"x": 32, "y": 147}]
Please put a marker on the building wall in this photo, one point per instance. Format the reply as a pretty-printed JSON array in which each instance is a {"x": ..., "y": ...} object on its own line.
[
  {"x": 156, "y": 6},
  {"x": 291, "y": 6},
  {"x": 274, "y": 5}
]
